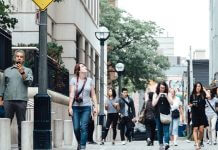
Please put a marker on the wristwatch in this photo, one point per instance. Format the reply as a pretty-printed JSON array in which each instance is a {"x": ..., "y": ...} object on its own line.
[{"x": 22, "y": 73}]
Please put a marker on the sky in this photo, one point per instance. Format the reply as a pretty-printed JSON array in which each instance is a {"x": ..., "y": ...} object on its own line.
[{"x": 185, "y": 20}]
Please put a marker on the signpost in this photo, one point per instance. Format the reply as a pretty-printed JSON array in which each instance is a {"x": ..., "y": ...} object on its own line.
[
  {"x": 42, "y": 4},
  {"x": 42, "y": 135}
]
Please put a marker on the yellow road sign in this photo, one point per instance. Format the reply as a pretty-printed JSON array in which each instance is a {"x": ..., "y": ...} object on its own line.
[{"x": 42, "y": 4}]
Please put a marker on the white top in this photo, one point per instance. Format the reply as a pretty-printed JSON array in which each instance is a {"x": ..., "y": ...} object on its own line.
[
  {"x": 209, "y": 111},
  {"x": 176, "y": 103},
  {"x": 86, "y": 93}
]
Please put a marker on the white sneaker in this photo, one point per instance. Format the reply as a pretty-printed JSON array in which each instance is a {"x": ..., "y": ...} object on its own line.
[
  {"x": 188, "y": 141},
  {"x": 175, "y": 143},
  {"x": 123, "y": 142}
]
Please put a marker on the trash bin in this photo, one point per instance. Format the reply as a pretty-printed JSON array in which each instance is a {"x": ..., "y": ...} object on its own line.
[{"x": 182, "y": 130}]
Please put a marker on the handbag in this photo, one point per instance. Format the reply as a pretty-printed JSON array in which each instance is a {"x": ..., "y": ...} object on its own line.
[
  {"x": 165, "y": 119},
  {"x": 175, "y": 114},
  {"x": 142, "y": 117}
]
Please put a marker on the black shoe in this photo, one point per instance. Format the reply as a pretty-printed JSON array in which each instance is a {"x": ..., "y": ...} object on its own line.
[
  {"x": 167, "y": 147},
  {"x": 201, "y": 144},
  {"x": 149, "y": 142},
  {"x": 130, "y": 139},
  {"x": 102, "y": 143},
  {"x": 92, "y": 142},
  {"x": 78, "y": 147}
]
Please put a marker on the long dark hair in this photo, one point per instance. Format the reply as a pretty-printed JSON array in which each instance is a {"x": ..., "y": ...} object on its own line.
[
  {"x": 150, "y": 96},
  {"x": 194, "y": 93},
  {"x": 164, "y": 84},
  {"x": 113, "y": 92}
]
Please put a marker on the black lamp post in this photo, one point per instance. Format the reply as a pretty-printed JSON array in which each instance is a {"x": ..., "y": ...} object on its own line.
[
  {"x": 42, "y": 135},
  {"x": 119, "y": 68},
  {"x": 102, "y": 35}
]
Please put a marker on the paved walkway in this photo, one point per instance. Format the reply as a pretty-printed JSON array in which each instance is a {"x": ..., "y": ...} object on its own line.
[{"x": 141, "y": 145}]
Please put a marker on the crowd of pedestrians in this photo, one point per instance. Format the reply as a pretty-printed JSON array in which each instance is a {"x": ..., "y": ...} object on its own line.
[{"x": 162, "y": 111}]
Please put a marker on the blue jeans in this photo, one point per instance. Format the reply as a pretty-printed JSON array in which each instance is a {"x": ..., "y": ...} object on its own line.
[
  {"x": 81, "y": 117},
  {"x": 174, "y": 126},
  {"x": 162, "y": 131}
]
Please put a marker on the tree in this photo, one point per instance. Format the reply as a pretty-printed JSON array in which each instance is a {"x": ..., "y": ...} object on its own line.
[
  {"x": 5, "y": 20},
  {"x": 132, "y": 42}
]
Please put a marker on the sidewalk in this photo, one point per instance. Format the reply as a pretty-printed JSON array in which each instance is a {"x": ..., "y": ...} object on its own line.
[{"x": 141, "y": 145}]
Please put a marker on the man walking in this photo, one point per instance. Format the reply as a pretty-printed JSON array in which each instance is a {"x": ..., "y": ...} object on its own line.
[
  {"x": 13, "y": 90},
  {"x": 127, "y": 114}
]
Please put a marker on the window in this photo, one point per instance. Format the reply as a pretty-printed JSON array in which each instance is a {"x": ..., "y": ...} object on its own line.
[
  {"x": 86, "y": 54},
  {"x": 92, "y": 62},
  {"x": 95, "y": 10},
  {"x": 78, "y": 37}
]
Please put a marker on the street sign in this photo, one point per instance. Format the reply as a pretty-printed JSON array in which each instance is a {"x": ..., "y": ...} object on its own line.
[{"x": 42, "y": 4}]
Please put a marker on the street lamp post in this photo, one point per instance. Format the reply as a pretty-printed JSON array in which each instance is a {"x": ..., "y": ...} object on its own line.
[
  {"x": 102, "y": 35},
  {"x": 119, "y": 68}
]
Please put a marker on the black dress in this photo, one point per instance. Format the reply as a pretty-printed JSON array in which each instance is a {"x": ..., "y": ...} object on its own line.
[{"x": 199, "y": 117}]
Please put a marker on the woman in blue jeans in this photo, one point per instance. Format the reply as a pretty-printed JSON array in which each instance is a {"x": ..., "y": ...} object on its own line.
[
  {"x": 82, "y": 93},
  {"x": 162, "y": 101}
]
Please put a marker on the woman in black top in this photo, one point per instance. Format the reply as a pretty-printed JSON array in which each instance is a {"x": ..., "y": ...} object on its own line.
[
  {"x": 162, "y": 101},
  {"x": 199, "y": 119}
]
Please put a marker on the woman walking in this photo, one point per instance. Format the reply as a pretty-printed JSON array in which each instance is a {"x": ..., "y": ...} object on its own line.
[
  {"x": 177, "y": 113},
  {"x": 149, "y": 119},
  {"x": 82, "y": 93},
  {"x": 111, "y": 106},
  {"x": 162, "y": 101},
  {"x": 211, "y": 117},
  {"x": 199, "y": 119}
]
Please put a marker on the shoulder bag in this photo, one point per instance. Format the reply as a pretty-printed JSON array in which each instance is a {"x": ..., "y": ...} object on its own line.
[
  {"x": 165, "y": 119},
  {"x": 76, "y": 97}
]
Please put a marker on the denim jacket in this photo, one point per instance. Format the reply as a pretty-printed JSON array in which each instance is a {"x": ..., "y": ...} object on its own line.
[{"x": 12, "y": 85}]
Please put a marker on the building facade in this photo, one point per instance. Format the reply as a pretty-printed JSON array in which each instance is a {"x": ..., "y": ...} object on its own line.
[
  {"x": 213, "y": 39},
  {"x": 166, "y": 46},
  {"x": 70, "y": 23}
]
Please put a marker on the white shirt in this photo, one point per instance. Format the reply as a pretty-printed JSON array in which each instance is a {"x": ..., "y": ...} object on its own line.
[
  {"x": 126, "y": 107},
  {"x": 209, "y": 111},
  {"x": 176, "y": 103}
]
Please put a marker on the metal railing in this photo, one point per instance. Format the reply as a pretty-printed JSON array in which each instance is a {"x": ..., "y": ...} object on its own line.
[{"x": 5, "y": 49}]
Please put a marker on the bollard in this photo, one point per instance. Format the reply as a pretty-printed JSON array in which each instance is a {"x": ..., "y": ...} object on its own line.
[
  {"x": 68, "y": 132},
  {"x": 27, "y": 135},
  {"x": 58, "y": 133},
  {"x": 5, "y": 134}
]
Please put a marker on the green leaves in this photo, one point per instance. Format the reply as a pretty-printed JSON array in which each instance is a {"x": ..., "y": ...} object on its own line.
[
  {"x": 5, "y": 20},
  {"x": 132, "y": 43}
]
